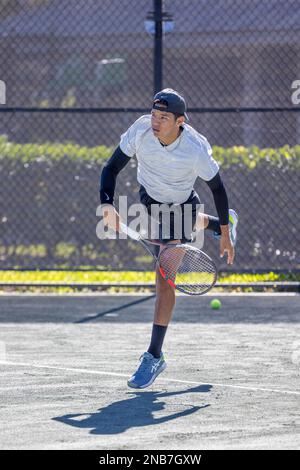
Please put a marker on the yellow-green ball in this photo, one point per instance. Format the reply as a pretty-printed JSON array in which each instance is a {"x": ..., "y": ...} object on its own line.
[{"x": 215, "y": 304}]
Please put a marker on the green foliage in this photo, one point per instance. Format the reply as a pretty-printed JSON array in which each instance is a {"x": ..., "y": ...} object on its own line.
[
  {"x": 79, "y": 277},
  {"x": 118, "y": 277},
  {"x": 250, "y": 157},
  {"x": 264, "y": 277},
  {"x": 51, "y": 152},
  {"x": 245, "y": 157}
]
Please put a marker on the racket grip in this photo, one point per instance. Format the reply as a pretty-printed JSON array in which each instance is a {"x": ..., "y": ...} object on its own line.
[{"x": 128, "y": 231}]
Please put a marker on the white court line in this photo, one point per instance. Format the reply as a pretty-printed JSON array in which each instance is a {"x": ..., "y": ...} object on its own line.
[{"x": 114, "y": 374}]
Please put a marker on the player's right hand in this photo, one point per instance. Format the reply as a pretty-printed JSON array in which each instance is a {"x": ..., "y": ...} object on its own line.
[{"x": 111, "y": 218}]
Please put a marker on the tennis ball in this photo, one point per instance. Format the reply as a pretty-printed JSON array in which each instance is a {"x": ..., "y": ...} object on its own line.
[{"x": 215, "y": 304}]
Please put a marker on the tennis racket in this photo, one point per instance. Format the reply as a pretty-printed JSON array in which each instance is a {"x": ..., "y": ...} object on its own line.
[{"x": 184, "y": 267}]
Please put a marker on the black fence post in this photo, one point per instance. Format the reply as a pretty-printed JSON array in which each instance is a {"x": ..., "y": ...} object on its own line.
[{"x": 158, "y": 45}]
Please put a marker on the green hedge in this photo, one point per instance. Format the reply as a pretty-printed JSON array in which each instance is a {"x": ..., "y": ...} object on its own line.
[
  {"x": 247, "y": 157},
  {"x": 250, "y": 157},
  {"x": 49, "y": 151}
]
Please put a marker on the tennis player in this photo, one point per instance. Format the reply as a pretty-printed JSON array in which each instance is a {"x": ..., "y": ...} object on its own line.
[{"x": 171, "y": 155}]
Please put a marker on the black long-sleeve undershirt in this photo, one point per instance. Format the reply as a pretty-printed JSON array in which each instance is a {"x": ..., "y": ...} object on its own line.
[
  {"x": 109, "y": 174},
  {"x": 220, "y": 197}
]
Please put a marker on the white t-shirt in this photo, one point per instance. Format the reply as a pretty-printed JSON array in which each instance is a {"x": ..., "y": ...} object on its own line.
[{"x": 168, "y": 173}]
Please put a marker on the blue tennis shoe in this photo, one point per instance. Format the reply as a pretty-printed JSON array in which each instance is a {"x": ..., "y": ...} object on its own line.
[{"x": 148, "y": 370}]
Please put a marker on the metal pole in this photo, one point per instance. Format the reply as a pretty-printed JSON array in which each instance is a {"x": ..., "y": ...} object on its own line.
[{"x": 158, "y": 45}]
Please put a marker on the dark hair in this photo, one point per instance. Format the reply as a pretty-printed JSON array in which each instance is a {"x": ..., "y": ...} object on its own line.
[{"x": 177, "y": 116}]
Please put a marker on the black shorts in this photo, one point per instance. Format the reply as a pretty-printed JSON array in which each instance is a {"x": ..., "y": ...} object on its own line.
[{"x": 174, "y": 233}]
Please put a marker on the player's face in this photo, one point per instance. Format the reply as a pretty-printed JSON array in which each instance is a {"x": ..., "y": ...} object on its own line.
[{"x": 163, "y": 124}]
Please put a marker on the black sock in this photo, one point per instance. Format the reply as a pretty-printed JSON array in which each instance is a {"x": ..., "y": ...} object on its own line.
[
  {"x": 157, "y": 339},
  {"x": 214, "y": 224}
]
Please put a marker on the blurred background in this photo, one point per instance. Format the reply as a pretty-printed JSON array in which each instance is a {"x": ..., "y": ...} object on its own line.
[{"x": 78, "y": 73}]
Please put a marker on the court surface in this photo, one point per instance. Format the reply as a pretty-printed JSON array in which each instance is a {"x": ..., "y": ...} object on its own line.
[{"x": 232, "y": 380}]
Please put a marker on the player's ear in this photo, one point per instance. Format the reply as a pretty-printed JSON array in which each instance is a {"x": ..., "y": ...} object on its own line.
[{"x": 180, "y": 120}]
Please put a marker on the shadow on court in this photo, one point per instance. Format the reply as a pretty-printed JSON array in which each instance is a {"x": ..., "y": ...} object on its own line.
[
  {"x": 139, "y": 309},
  {"x": 134, "y": 412}
]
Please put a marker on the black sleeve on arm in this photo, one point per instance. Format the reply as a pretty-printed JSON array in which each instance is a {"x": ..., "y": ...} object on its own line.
[
  {"x": 109, "y": 174},
  {"x": 220, "y": 198}
]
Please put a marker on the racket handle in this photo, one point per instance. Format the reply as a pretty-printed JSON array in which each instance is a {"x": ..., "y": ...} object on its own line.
[{"x": 131, "y": 233}]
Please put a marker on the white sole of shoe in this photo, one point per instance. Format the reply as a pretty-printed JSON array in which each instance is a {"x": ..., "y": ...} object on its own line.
[{"x": 233, "y": 215}]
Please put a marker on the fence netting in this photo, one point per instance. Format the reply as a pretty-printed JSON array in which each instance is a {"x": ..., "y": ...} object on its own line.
[{"x": 79, "y": 73}]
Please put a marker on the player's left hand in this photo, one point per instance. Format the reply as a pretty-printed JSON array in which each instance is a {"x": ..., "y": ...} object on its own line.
[{"x": 226, "y": 247}]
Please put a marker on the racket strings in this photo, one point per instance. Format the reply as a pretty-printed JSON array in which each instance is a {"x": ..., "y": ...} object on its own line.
[
  {"x": 171, "y": 260},
  {"x": 191, "y": 270}
]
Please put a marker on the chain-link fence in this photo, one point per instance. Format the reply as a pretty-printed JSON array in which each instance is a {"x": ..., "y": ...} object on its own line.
[{"x": 81, "y": 72}]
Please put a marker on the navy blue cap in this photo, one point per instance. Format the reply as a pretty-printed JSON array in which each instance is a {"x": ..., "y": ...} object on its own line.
[{"x": 175, "y": 103}]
